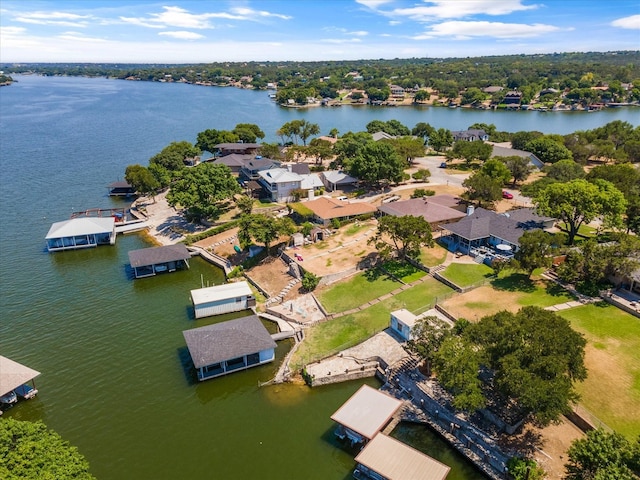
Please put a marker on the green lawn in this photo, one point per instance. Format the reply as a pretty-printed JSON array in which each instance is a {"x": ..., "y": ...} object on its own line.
[
  {"x": 466, "y": 274},
  {"x": 356, "y": 228},
  {"x": 355, "y": 291},
  {"x": 404, "y": 271},
  {"x": 432, "y": 256},
  {"x": 612, "y": 390},
  {"x": 328, "y": 337}
]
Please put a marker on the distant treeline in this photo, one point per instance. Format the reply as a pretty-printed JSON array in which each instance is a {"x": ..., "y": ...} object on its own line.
[{"x": 449, "y": 77}]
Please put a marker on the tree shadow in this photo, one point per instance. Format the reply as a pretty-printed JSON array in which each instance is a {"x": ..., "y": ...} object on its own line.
[
  {"x": 525, "y": 442},
  {"x": 555, "y": 290},
  {"x": 516, "y": 282}
]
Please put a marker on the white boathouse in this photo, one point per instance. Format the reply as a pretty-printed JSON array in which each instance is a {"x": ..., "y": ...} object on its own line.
[
  {"x": 81, "y": 232},
  {"x": 14, "y": 381},
  {"x": 230, "y": 297}
]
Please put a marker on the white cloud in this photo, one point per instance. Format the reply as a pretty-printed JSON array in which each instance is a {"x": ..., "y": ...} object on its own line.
[
  {"x": 632, "y": 22},
  {"x": 466, "y": 30},
  {"x": 359, "y": 33},
  {"x": 341, "y": 40},
  {"x": 183, "y": 35},
  {"x": 372, "y": 3},
  {"x": 79, "y": 37},
  {"x": 182, "y": 18},
  {"x": 62, "y": 19},
  {"x": 438, "y": 9}
]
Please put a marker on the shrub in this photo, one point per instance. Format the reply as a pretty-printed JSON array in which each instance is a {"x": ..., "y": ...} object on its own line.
[
  {"x": 310, "y": 281},
  {"x": 335, "y": 223},
  {"x": 421, "y": 192},
  {"x": 191, "y": 239}
]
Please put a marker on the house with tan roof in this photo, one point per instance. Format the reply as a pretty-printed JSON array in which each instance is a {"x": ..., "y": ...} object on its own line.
[
  {"x": 437, "y": 210},
  {"x": 326, "y": 209}
]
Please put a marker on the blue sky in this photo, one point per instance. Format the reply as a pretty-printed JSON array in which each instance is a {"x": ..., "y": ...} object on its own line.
[{"x": 195, "y": 31}]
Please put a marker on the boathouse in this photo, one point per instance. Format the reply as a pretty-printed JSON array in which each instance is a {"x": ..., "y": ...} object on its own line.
[
  {"x": 121, "y": 188},
  {"x": 226, "y": 347},
  {"x": 230, "y": 297},
  {"x": 365, "y": 413},
  {"x": 14, "y": 381},
  {"x": 147, "y": 262},
  {"x": 386, "y": 458},
  {"x": 402, "y": 323},
  {"x": 81, "y": 232}
]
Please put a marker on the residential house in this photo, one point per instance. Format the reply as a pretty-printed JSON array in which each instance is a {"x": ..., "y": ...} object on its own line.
[
  {"x": 377, "y": 136},
  {"x": 219, "y": 299},
  {"x": 490, "y": 234},
  {"x": 234, "y": 161},
  {"x": 385, "y": 458},
  {"x": 326, "y": 209},
  {"x": 337, "y": 179},
  {"x": 223, "y": 149},
  {"x": 512, "y": 98},
  {"x": 252, "y": 168},
  {"x": 364, "y": 414},
  {"x": 470, "y": 135},
  {"x": 511, "y": 152},
  {"x": 279, "y": 183},
  {"x": 396, "y": 91},
  {"x": 437, "y": 210},
  {"x": 492, "y": 89},
  {"x": 227, "y": 347}
]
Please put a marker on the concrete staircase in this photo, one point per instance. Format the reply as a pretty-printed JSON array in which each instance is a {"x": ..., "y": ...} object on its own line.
[{"x": 283, "y": 293}]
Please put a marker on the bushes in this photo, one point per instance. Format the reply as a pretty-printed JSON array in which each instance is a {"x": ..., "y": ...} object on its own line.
[
  {"x": 191, "y": 239},
  {"x": 421, "y": 192},
  {"x": 310, "y": 281}
]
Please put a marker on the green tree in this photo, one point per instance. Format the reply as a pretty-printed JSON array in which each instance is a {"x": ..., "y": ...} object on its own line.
[
  {"x": 142, "y": 180},
  {"x": 535, "y": 356},
  {"x": 457, "y": 364},
  {"x": 321, "y": 149},
  {"x": 422, "y": 175},
  {"x": 248, "y": 132},
  {"x": 377, "y": 162},
  {"x": 441, "y": 139},
  {"x": 309, "y": 281},
  {"x": 404, "y": 235},
  {"x": 519, "y": 140},
  {"x": 426, "y": 337},
  {"x": 245, "y": 204},
  {"x": 408, "y": 147},
  {"x": 271, "y": 150},
  {"x": 525, "y": 469},
  {"x": 423, "y": 130},
  {"x": 535, "y": 250},
  {"x": 519, "y": 167},
  {"x": 172, "y": 156},
  {"x": 421, "y": 96},
  {"x": 548, "y": 150},
  {"x": 497, "y": 170},
  {"x": 307, "y": 129},
  {"x": 473, "y": 95},
  {"x": 482, "y": 189},
  {"x": 565, "y": 171},
  {"x": 601, "y": 455},
  {"x": 200, "y": 190},
  {"x": 578, "y": 201},
  {"x": 625, "y": 178},
  {"x": 208, "y": 139},
  {"x": 30, "y": 450},
  {"x": 263, "y": 229}
]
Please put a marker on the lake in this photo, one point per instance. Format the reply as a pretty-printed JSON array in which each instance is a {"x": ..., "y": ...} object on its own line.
[{"x": 111, "y": 350}]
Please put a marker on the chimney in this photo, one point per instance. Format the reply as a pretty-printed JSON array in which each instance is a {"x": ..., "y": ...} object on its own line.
[{"x": 470, "y": 210}]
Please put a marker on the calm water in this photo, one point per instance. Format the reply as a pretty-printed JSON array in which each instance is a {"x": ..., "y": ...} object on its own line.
[{"x": 111, "y": 350}]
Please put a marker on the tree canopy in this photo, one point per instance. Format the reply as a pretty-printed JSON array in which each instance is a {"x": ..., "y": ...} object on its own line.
[
  {"x": 483, "y": 189},
  {"x": 199, "y": 190},
  {"x": 141, "y": 179},
  {"x": 376, "y": 163},
  {"x": 578, "y": 201},
  {"x": 519, "y": 167},
  {"x": 402, "y": 235},
  {"x": 535, "y": 250},
  {"x": 548, "y": 150},
  {"x": 263, "y": 229},
  {"x": 30, "y": 450}
]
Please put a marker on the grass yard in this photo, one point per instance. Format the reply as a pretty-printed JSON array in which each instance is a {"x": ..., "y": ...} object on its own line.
[
  {"x": 432, "y": 256},
  {"x": 355, "y": 228},
  {"x": 404, "y": 271},
  {"x": 355, "y": 291},
  {"x": 612, "y": 390},
  {"x": 328, "y": 337},
  {"x": 467, "y": 274},
  {"x": 509, "y": 292}
]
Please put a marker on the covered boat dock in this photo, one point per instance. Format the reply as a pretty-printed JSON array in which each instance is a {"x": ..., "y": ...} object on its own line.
[
  {"x": 121, "y": 188},
  {"x": 226, "y": 347},
  {"x": 81, "y": 232},
  {"x": 14, "y": 381},
  {"x": 219, "y": 299},
  {"x": 148, "y": 262}
]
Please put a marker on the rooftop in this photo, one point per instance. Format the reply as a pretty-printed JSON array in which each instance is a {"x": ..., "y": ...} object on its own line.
[
  {"x": 328, "y": 208},
  {"x": 81, "y": 226},
  {"x": 220, "y": 292},
  {"x": 338, "y": 177},
  {"x": 156, "y": 255},
  {"x": 279, "y": 175},
  {"x": 14, "y": 374},
  {"x": 367, "y": 411},
  {"x": 223, "y": 341},
  {"x": 396, "y": 461},
  {"x": 429, "y": 208},
  {"x": 405, "y": 316}
]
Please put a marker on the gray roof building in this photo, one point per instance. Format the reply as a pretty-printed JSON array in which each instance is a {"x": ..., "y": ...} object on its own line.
[{"x": 429, "y": 208}]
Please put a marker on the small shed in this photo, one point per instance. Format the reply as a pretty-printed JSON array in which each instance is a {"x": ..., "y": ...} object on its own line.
[
  {"x": 14, "y": 377},
  {"x": 297, "y": 239},
  {"x": 81, "y": 232},
  {"x": 387, "y": 458},
  {"x": 226, "y": 347},
  {"x": 147, "y": 262},
  {"x": 366, "y": 413},
  {"x": 230, "y": 297},
  {"x": 402, "y": 322}
]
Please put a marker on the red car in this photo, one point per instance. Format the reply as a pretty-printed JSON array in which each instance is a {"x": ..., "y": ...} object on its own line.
[{"x": 507, "y": 195}]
